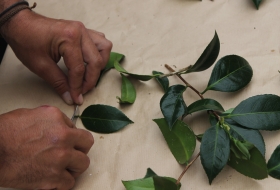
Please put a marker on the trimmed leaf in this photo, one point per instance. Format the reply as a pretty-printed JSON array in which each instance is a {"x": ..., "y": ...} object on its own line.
[
  {"x": 208, "y": 57},
  {"x": 150, "y": 173},
  {"x": 128, "y": 91},
  {"x": 140, "y": 184},
  {"x": 164, "y": 82},
  {"x": 273, "y": 164},
  {"x": 104, "y": 119},
  {"x": 257, "y": 3},
  {"x": 231, "y": 73},
  {"x": 258, "y": 112},
  {"x": 162, "y": 183},
  {"x": 214, "y": 151},
  {"x": 119, "y": 68},
  {"x": 205, "y": 104},
  {"x": 181, "y": 139},
  {"x": 172, "y": 104},
  {"x": 254, "y": 168}
]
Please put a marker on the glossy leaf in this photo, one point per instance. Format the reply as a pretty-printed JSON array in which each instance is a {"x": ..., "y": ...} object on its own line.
[
  {"x": 162, "y": 183},
  {"x": 273, "y": 164},
  {"x": 254, "y": 168},
  {"x": 181, "y": 139},
  {"x": 119, "y": 68},
  {"x": 231, "y": 73},
  {"x": 205, "y": 104},
  {"x": 128, "y": 92},
  {"x": 258, "y": 112},
  {"x": 150, "y": 173},
  {"x": 164, "y": 82},
  {"x": 208, "y": 57},
  {"x": 172, "y": 104},
  {"x": 257, "y": 3},
  {"x": 104, "y": 119},
  {"x": 214, "y": 151}
]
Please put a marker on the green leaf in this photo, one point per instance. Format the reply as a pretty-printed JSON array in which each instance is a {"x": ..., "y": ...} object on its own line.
[
  {"x": 241, "y": 149},
  {"x": 119, "y": 68},
  {"x": 140, "y": 184},
  {"x": 162, "y": 183},
  {"x": 258, "y": 112},
  {"x": 205, "y": 104},
  {"x": 104, "y": 119},
  {"x": 231, "y": 73},
  {"x": 128, "y": 91},
  {"x": 164, "y": 82},
  {"x": 254, "y": 168},
  {"x": 172, "y": 104},
  {"x": 273, "y": 164},
  {"x": 150, "y": 173},
  {"x": 181, "y": 139},
  {"x": 214, "y": 151},
  {"x": 257, "y": 3},
  {"x": 208, "y": 57}
]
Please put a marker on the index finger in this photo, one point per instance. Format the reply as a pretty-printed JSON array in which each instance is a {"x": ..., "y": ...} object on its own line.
[{"x": 83, "y": 140}]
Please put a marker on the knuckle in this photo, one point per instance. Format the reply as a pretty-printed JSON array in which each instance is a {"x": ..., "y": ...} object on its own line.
[
  {"x": 102, "y": 34},
  {"x": 108, "y": 45},
  {"x": 79, "y": 69},
  {"x": 59, "y": 84},
  {"x": 62, "y": 155},
  {"x": 72, "y": 32}
]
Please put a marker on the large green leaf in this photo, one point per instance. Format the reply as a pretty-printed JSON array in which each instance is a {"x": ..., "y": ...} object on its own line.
[
  {"x": 164, "y": 82},
  {"x": 214, "y": 151},
  {"x": 181, "y": 139},
  {"x": 128, "y": 92},
  {"x": 172, "y": 104},
  {"x": 231, "y": 73},
  {"x": 162, "y": 183},
  {"x": 273, "y": 164},
  {"x": 257, "y": 3},
  {"x": 205, "y": 104},
  {"x": 255, "y": 167},
  {"x": 258, "y": 112},
  {"x": 119, "y": 68},
  {"x": 208, "y": 57},
  {"x": 104, "y": 119}
]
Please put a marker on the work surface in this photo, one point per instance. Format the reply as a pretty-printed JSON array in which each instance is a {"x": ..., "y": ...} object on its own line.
[{"x": 150, "y": 34}]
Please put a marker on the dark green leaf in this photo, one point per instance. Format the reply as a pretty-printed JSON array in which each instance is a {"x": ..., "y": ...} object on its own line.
[
  {"x": 162, "y": 183},
  {"x": 273, "y": 164},
  {"x": 104, "y": 119},
  {"x": 208, "y": 57},
  {"x": 254, "y": 168},
  {"x": 181, "y": 139},
  {"x": 119, "y": 68},
  {"x": 164, "y": 82},
  {"x": 205, "y": 104},
  {"x": 140, "y": 184},
  {"x": 257, "y": 3},
  {"x": 258, "y": 112},
  {"x": 231, "y": 73},
  {"x": 128, "y": 91},
  {"x": 172, "y": 104},
  {"x": 150, "y": 173},
  {"x": 214, "y": 151}
]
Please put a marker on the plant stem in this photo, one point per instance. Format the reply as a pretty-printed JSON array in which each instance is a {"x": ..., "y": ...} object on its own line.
[{"x": 186, "y": 168}]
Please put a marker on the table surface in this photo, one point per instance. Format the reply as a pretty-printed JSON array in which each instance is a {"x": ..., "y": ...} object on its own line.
[{"x": 150, "y": 34}]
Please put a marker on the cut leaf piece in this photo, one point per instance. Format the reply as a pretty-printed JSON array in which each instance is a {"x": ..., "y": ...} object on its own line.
[
  {"x": 214, "y": 151},
  {"x": 162, "y": 183},
  {"x": 128, "y": 92},
  {"x": 172, "y": 104},
  {"x": 257, "y": 3},
  {"x": 181, "y": 139},
  {"x": 150, "y": 173},
  {"x": 231, "y": 73},
  {"x": 258, "y": 112},
  {"x": 205, "y": 104},
  {"x": 208, "y": 57},
  {"x": 119, "y": 68},
  {"x": 254, "y": 168},
  {"x": 140, "y": 184},
  {"x": 273, "y": 164},
  {"x": 104, "y": 119},
  {"x": 164, "y": 82}
]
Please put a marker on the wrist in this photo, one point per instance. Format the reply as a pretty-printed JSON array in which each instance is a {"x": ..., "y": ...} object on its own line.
[{"x": 4, "y": 4}]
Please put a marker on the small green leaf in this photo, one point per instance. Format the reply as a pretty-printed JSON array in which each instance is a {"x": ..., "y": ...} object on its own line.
[
  {"x": 181, "y": 139},
  {"x": 104, "y": 119},
  {"x": 162, "y": 183},
  {"x": 257, "y": 3},
  {"x": 241, "y": 149},
  {"x": 231, "y": 73},
  {"x": 128, "y": 91},
  {"x": 208, "y": 57},
  {"x": 172, "y": 104},
  {"x": 258, "y": 112},
  {"x": 214, "y": 151},
  {"x": 119, "y": 68},
  {"x": 150, "y": 173},
  {"x": 164, "y": 82},
  {"x": 273, "y": 164},
  {"x": 254, "y": 168},
  {"x": 140, "y": 184},
  {"x": 205, "y": 104}
]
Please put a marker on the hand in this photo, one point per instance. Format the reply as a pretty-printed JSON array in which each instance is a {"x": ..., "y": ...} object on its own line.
[
  {"x": 41, "y": 149},
  {"x": 39, "y": 42}
]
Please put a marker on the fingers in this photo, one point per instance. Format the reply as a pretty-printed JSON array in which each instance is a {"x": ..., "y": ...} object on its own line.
[
  {"x": 67, "y": 181},
  {"x": 78, "y": 164},
  {"x": 83, "y": 140}
]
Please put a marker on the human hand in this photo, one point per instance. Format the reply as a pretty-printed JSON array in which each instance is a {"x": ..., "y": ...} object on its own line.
[
  {"x": 39, "y": 42},
  {"x": 41, "y": 149}
]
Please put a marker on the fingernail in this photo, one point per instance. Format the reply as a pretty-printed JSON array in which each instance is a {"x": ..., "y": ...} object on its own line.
[
  {"x": 67, "y": 98},
  {"x": 80, "y": 99}
]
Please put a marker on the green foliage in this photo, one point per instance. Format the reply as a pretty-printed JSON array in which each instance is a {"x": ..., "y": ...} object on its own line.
[
  {"x": 257, "y": 3},
  {"x": 163, "y": 81},
  {"x": 273, "y": 164},
  {"x": 205, "y": 104},
  {"x": 128, "y": 92}
]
